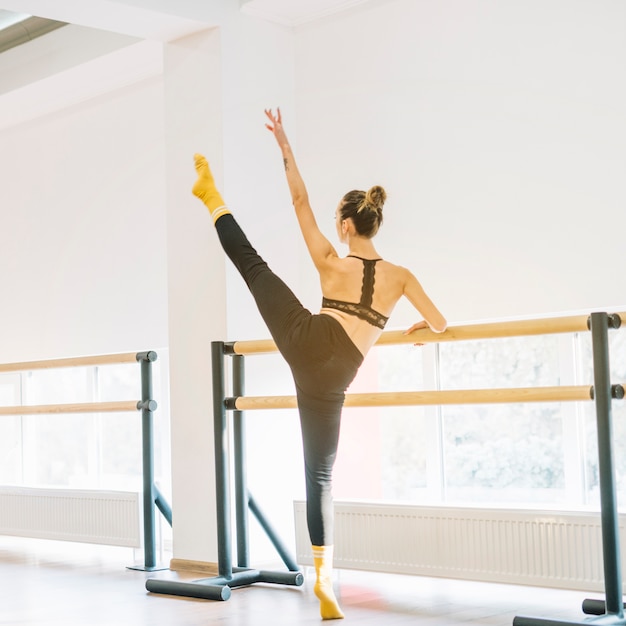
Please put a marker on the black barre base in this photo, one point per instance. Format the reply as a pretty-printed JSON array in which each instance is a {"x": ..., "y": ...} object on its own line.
[
  {"x": 609, "y": 620},
  {"x": 218, "y": 588},
  {"x": 595, "y": 607},
  {"x": 590, "y": 607}
]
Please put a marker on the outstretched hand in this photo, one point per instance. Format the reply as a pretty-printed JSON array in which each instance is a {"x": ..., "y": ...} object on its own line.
[
  {"x": 417, "y": 326},
  {"x": 276, "y": 126}
]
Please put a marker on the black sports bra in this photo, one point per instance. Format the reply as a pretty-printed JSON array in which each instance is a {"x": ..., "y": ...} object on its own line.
[{"x": 363, "y": 309}]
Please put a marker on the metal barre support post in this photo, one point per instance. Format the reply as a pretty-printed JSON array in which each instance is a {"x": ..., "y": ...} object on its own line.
[
  {"x": 608, "y": 498},
  {"x": 244, "y": 501},
  {"x": 152, "y": 497},
  {"x": 147, "y": 447},
  {"x": 239, "y": 457},
  {"x": 613, "y": 613},
  {"x": 218, "y": 588},
  {"x": 147, "y": 436},
  {"x": 224, "y": 539}
]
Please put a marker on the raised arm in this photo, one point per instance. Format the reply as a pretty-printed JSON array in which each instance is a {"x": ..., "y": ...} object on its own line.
[
  {"x": 416, "y": 295},
  {"x": 318, "y": 245}
]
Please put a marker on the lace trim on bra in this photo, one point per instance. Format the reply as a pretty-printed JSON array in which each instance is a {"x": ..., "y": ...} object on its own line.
[
  {"x": 367, "y": 289},
  {"x": 364, "y": 313}
]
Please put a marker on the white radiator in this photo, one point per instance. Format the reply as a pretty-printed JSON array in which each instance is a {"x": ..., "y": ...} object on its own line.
[
  {"x": 103, "y": 517},
  {"x": 548, "y": 549}
]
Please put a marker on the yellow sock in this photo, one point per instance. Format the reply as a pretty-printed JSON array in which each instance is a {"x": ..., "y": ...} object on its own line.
[
  {"x": 205, "y": 189},
  {"x": 323, "y": 559}
]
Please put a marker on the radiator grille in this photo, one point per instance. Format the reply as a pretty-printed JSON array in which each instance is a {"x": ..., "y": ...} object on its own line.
[
  {"x": 559, "y": 549},
  {"x": 102, "y": 517}
]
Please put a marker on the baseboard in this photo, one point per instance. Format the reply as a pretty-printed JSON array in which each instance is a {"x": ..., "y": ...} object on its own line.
[{"x": 200, "y": 567}]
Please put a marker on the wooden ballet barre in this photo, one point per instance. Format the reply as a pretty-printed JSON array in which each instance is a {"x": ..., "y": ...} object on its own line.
[
  {"x": 81, "y": 361},
  {"x": 491, "y": 330},
  {"x": 564, "y": 393},
  {"x": 86, "y": 407}
]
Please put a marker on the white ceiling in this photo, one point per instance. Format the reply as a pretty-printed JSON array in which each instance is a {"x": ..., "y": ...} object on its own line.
[
  {"x": 165, "y": 19},
  {"x": 296, "y": 12}
]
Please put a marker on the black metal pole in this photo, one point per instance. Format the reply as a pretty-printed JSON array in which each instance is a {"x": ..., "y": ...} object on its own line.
[
  {"x": 225, "y": 567},
  {"x": 147, "y": 406},
  {"x": 239, "y": 453},
  {"x": 282, "y": 550},
  {"x": 599, "y": 324},
  {"x": 163, "y": 505}
]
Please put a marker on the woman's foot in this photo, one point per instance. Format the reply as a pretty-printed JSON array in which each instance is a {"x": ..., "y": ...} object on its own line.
[
  {"x": 329, "y": 607},
  {"x": 205, "y": 189},
  {"x": 323, "y": 559}
]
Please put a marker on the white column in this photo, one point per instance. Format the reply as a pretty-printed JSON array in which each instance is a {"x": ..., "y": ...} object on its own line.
[{"x": 196, "y": 285}]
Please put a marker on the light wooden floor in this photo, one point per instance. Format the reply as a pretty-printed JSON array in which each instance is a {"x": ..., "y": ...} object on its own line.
[{"x": 56, "y": 584}]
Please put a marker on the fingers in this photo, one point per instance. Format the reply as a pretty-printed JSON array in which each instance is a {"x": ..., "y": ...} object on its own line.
[
  {"x": 275, "y": 119},
  {"x": 416, "y": 326},
  {"x": 271, "y": 117}
]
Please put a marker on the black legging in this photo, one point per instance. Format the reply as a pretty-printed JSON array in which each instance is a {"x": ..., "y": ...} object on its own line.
[{"x": 323, "y": 362}]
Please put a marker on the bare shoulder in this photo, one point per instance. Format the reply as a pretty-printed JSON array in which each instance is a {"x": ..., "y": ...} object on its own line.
[
  {"x": 397, "y": 272},
  {"x": 330, "y": 264}
]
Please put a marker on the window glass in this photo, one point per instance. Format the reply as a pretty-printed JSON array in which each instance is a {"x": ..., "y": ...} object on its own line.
[
  {"x": 119, "y": 449},
  {"x": 57, "y": 450},
  {"x": 65, "y": 385},
  {"x": 506, "y": 453},
  {"x": 507, "y": 362},
  {"x": 502, "y": 452},
  {"x": 406, "y": 446}
]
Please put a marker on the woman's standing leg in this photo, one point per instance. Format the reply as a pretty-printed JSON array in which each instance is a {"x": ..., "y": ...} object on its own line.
[
  {"x": 325, "y": 369},
  {"x": 320, "y": 422}
]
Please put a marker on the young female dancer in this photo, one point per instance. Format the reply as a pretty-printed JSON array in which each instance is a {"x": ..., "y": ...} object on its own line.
[{"x": 324, "y": 351}]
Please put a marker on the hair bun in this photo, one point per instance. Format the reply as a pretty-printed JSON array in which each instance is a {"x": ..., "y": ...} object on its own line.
[{"x": 375, "y": 197}]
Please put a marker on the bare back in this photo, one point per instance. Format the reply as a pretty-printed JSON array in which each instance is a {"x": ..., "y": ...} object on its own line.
[{"x": 342, "y": 279}]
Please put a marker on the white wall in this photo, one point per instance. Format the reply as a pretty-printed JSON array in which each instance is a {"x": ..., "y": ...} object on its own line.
[
  {"x": 498, "y": 131},
  {"x": 258, "y": 73},
  {"x": 82, "y": 228}
]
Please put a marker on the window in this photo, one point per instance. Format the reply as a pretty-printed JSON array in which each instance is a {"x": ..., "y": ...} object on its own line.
[
  {"x": 503, "y": 452},
  {"x": 91, "y": 451},
  {"x": 540, "y": 455}
]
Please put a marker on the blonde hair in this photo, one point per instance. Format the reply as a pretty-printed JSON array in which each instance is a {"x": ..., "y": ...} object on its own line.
[{"x": 365, "y": 208}]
